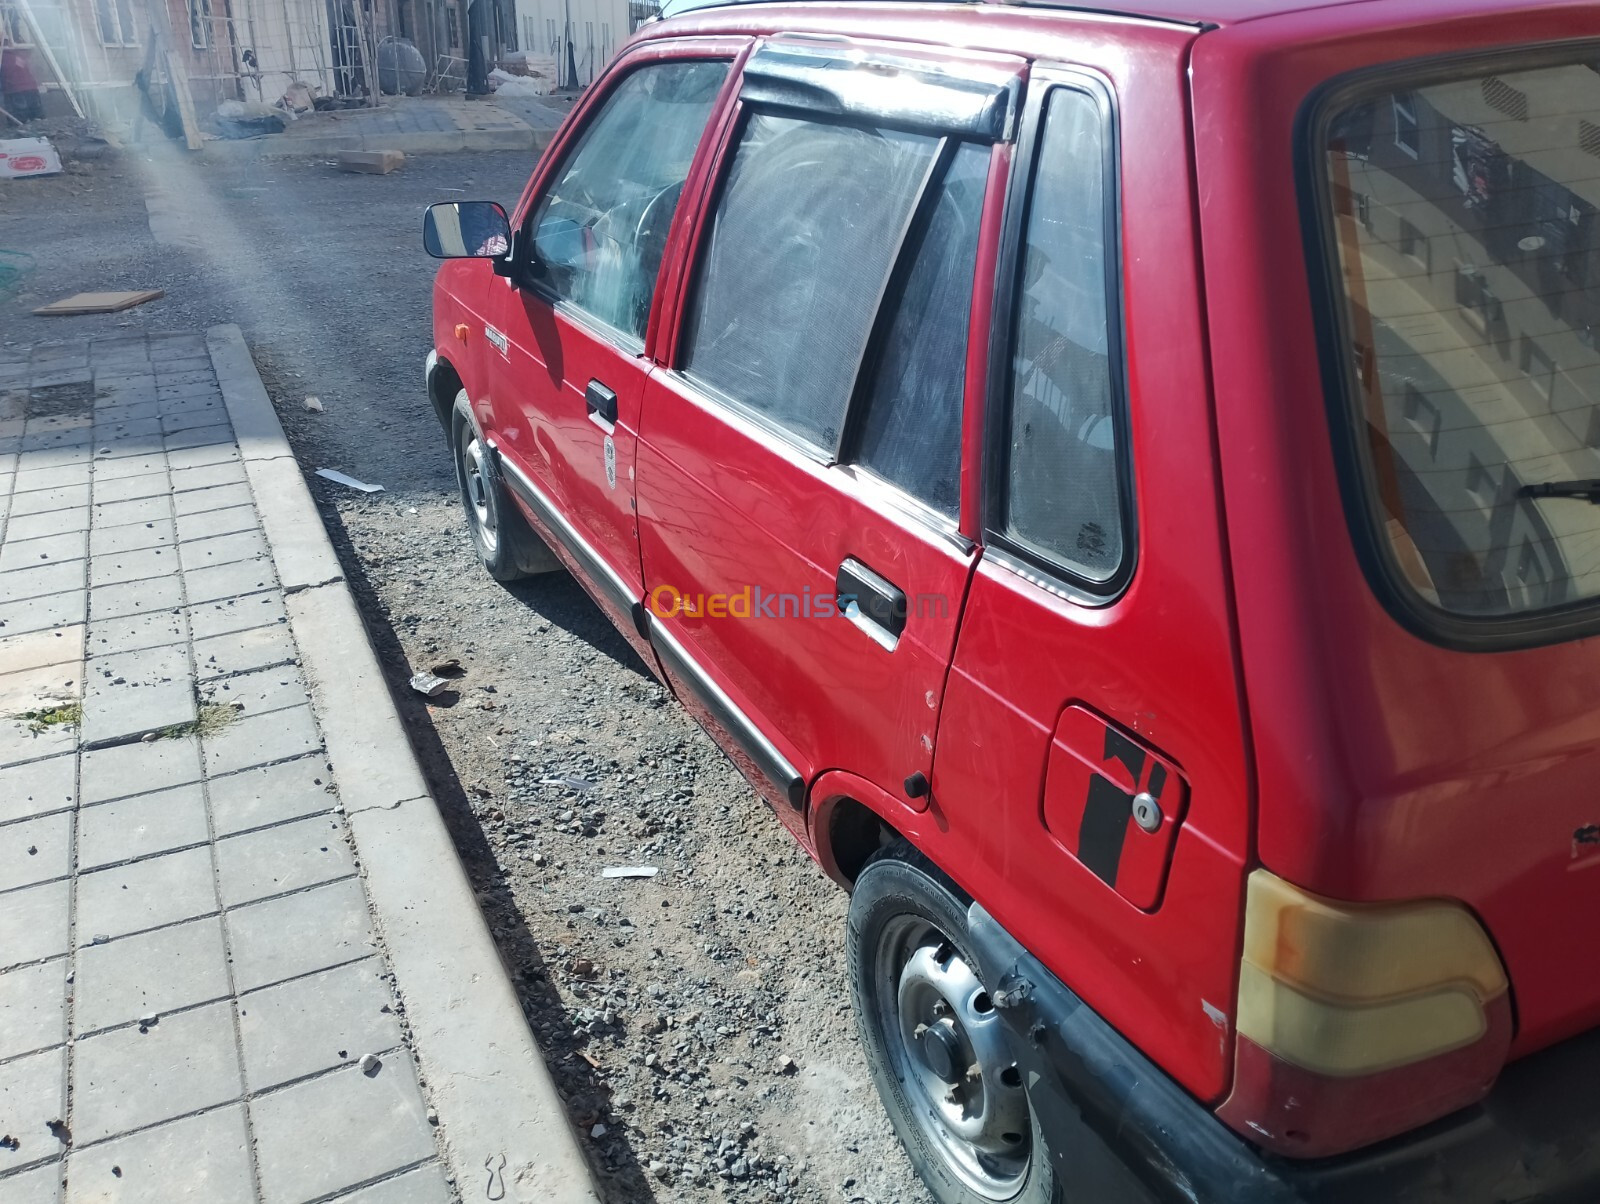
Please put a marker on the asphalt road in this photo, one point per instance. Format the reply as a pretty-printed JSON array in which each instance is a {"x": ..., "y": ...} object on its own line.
[{"x": 698, "y": 1023}]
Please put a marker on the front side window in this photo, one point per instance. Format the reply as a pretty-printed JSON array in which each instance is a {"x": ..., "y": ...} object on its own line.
[
  {"x": 1468, "y": 310},
  {"x": 807, "y": 226},
  {"x": 1064, "y": 467},
  {"x": 600, "y": 231}
]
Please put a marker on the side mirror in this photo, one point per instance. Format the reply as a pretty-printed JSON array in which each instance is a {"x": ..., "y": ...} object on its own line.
[{"x": 466, "y": 230}]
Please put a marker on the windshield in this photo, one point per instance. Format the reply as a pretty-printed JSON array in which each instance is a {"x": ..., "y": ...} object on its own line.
[{"x": 1463, "y": 214}]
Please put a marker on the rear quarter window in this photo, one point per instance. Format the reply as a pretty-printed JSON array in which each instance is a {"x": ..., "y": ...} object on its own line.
[{"x": 1456, "y": 223}]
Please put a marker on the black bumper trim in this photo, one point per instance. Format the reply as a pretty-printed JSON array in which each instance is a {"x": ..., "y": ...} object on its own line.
[{"x": 1534, "y": 1140}]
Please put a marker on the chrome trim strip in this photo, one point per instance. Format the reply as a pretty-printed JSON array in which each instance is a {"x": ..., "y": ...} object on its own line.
[{"x": 745, "y": 733}]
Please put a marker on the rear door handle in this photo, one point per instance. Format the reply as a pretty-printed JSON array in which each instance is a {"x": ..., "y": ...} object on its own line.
[
  {"x": 873, "y": 603},
  {"x": 601, "y": 403}
]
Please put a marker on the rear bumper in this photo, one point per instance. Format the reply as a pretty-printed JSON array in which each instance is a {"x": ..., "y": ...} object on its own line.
[{"x": 1121, "y": 1130}]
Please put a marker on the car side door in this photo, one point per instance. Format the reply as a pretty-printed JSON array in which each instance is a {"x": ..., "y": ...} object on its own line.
[
  {"x": 568, "y": 328},
  {"x": 800, "y": 482}
]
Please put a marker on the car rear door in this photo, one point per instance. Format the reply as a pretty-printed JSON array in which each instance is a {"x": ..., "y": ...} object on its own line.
[
  {"x": 568, "y": 326},
  {"x": 802, "y": 445}
]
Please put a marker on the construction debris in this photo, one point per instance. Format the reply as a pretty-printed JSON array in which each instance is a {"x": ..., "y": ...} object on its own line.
[
  {"x": 21, "y": 157},
  {"x": 372, "y": 163},
  {"x": 629, "y": 871},
  {"x": 98, "y": 303},
  {"x": 333, "y": 474}
]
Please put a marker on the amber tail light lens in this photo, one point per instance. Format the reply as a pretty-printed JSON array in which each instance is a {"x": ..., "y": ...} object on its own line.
[{"x": 1359, "y": 1021}]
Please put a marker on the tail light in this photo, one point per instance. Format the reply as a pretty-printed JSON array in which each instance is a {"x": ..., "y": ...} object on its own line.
[{"x": 1359, "y": 1021}]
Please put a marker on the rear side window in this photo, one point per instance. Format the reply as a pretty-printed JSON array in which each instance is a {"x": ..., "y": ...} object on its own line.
[
  {"x": 911, "y": 430},
  {"x": 600, "y": 231},
  {"x": 801, "y": 242},
  {"x": 1458, "y": 212},
  {"x": 1063, "y": 479}
]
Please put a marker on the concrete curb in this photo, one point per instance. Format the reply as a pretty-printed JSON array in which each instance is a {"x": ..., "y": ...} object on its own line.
[
  {"x": 424, "y": 142},
  {"x": 497, "y": 1105}
]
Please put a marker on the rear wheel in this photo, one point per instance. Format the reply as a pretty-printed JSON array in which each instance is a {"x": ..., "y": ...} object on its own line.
[
  {"x": 934, "y": 1041},
  {"x": 501, "y": 536}
]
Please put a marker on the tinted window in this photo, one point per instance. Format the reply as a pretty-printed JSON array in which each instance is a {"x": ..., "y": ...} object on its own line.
[
  {"x": 800, "y": 245},
  {"x": 1063, "y": 498},
  {"x": 600, "y": 232},
  {"x": 911, "y": 432},
  {"x": 1468, "y": 253}
]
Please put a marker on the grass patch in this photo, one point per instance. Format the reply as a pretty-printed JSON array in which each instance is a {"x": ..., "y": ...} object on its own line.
[
  {"x": 212, "y": 717},
  {"x": 60, "y": 716}
]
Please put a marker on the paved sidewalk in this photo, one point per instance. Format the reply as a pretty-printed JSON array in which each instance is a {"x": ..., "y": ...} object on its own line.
[
  {"x": 231, "y": 927},
  {"x": 413, "y": 124}
]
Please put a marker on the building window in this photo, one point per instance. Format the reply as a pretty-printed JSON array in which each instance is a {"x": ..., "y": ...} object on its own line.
[
  {"x": 200, "y": 24},
  {"x": 13, "y": 29},
  {"x": 1538, "y": 366},
  {"x": 452, "y": 26},
  {"x": 1413, "y": 242},
  {"x": 1407, "y": 133},
  {"x": 116, "y": 23},
  {"x": 1421, "y": 412}
]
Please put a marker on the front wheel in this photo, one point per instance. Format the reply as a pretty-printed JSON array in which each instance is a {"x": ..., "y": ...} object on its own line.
[
  {"x": 934, "y": 1041},
  {"x": 502, "y": 538}
]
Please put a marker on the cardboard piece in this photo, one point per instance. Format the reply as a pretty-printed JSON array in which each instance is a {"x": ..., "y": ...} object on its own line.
[
  {"x": 375, "y": 163},
  {"x": 27, "y": 157},
  {"x": 98, "y": 303}
]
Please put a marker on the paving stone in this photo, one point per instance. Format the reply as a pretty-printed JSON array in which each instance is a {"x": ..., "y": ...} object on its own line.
[
  {"x": 35, "y": 923},
  {"x": 270, "y": 795},
  {"x": 48, "y": 439},
  {"x": 315, "y": 1023},
  {"x": 201, "y": 1159},
  {"x": 39, "y": 581},
  {"x": 259, "y": 692},
  {"x": 32, "y": 1094},
  {"x": 130, "y": 489},
  {"x": 211, "y": 523},
  {"x": 49, "y": 501},
  {"x": 29, "y": 553},
  {"x": 57, "y": 476},
  {"x": 21, "y": 740},
  {"x": 135, "y": 977},
  {"x": 132, "y": 566},
  {"x": 222, "y": 549},
  {"x": 130, "y": 693},
  {"x": 37, "y": 787},
  {"x": 52, "y": 457},
  {"x": 232, "y": 616},
  {"x": 200, "y": 501},
  {"x": 339, "y": 1130},
  {"x": 50, "y": 522},
  {"x": 114, "y": 431},
  {"x": 40, "y": 688},
  {"x": 33, "y": 1008},
  {"x": 110, "y": 541},
  {"x": 126, "y": 769},
  {"x": 141, "y": 510},
  {"x": 126, "y": 1079},
  {"x": 129, "y": 633},
  {"x": 228, "y": 580},
  {"x": 261, "y": 739},
  {"x": 296, "y": 934},
  {"x": 146, "y": 894},
  {"x": 41, "y": 614},
  {"x": 207, "y": 476},
  {"x": 200, "y": 436},
  {"x": 135, "y": 597},
  {"x": 204, "y": 454},
  {"x": 33, "y": 650},
  {"x": 141, "y": 826},
  {"x": 288, "y": 857},
  {"x": 35, "y": 850},
  {"x": 41, "y": 1185},
  {"x": 424, "y": 1185}
]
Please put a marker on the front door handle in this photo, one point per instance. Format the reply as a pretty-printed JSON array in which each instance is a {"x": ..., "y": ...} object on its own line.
[
  {"x": 601, "y": 402},
  {"x": 873, "y": 603}
]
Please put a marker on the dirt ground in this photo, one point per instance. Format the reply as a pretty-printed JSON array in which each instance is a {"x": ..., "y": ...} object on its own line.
[{"x": 698, "y": 1023}]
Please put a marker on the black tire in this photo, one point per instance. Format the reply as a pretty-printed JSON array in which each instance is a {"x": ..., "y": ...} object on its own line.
[
  {"x": 505, "y": 543},
  {"x": 905, "y": 913}
]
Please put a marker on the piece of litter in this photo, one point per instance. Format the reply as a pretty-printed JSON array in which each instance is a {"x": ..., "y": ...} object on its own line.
[
  {"x": 333, "y": 474},
  {"x": 449, "y": 668},
  {"x": 314, "y": 404},
  {"x": 98, "y": 303},
  {"x": 629, "y": 871},
  {"x": 569, "y": 783},
  {"x": 429, "y": 685},
  {"x": 21, "y": 157}
]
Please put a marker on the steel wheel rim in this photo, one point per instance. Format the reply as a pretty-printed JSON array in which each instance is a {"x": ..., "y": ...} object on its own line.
[
  {"x": 946, "y": 1045},
  {"x": 475, "y": 486}
]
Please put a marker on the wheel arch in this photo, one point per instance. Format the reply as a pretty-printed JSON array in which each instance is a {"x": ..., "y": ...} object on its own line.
[
  {"x": 851, "y": 818},
  {"x": 444, "y": 382}
]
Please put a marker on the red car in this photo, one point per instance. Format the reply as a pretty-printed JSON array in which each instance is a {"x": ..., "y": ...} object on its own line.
[{"x": 1125, "y": 486}]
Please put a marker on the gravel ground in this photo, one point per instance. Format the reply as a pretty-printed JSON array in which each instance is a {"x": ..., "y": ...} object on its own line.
[{"x": 698, "y": 1023}]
